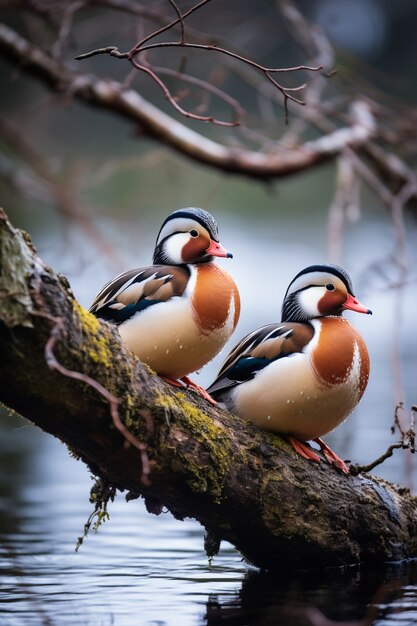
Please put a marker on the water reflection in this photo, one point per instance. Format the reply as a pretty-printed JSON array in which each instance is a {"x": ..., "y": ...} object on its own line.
[{"x": 356, "y": 594}]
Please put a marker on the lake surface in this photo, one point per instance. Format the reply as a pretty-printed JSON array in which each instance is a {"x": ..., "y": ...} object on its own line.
[
  {"x": 142, "y": 570},
  {"x": 145, "y": 570}
]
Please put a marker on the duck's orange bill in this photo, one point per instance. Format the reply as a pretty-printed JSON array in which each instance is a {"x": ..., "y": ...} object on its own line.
[
  {"x": 216, "y": 249},
  {"x": 354, "y": 305}
]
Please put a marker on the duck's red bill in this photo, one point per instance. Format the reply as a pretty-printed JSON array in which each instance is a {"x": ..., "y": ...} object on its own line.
[
  {"x": 216, "y": 249},
  {"x": 354, "y": 305}
]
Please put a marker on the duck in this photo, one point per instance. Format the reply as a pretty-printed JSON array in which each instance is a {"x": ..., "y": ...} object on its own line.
[
  {"x": 176, "y": 314},
  {"x": 303, "y": 376}
]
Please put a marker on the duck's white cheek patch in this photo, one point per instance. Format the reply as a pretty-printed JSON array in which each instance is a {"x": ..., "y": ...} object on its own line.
[
  {"x": 309, "y": 299},
  {"x": 174, "y": 245}
]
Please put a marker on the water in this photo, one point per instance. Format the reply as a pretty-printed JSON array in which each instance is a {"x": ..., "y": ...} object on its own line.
[
  {"x": 145, "y": 570},
  {"x": 137, "y": 569},
  {"x": 142, "y": 570}
]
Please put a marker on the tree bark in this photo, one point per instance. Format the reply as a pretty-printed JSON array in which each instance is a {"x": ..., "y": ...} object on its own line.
[{"x": 70, "y": 374}]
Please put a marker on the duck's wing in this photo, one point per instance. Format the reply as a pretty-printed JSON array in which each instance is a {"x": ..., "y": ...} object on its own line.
[
  {"x": 136, "y": 290},
  {"x": 259, "y": 349}
]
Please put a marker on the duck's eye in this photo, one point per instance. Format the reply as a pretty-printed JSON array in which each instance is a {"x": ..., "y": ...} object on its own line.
[
  {"x": 330, "y": 287},
  {"x": 194, "y": 233}
]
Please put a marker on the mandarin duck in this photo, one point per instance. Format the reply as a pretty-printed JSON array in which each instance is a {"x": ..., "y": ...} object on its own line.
[
  {"x": 178, "y": 313},
  {"x": 304, "y": 376}
]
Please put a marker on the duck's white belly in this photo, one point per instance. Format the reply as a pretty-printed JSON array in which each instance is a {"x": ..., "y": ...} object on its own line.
[
  {"x": 167, "y": 338},
  {"x": 288, "y": 397}
]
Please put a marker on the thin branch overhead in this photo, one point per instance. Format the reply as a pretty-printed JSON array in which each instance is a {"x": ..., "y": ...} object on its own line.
[
  {"x": 144, "y": 66},
  {"x": 130, "y": 105},
  {"x": 374, "y": 140}
]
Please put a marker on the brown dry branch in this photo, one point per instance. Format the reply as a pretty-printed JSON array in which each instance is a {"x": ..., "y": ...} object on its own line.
[
  {"x": 208, "y": 88},
  {"x": 276, "y": 158},
  {"x": 174, "y": 101},
  {"x": 242, "y": 484},
  {"x": 287, "y": 92},
  {"x": 141, "y": 47},
  {"x": 360, "y": 469},
  {"x": 128, "y": 104},
  {"x": 407, "y": 441},
  {"x": 396, "y": 128}
]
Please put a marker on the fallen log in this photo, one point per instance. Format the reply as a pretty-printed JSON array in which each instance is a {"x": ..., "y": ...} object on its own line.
[{"x": 70, "y": 374}]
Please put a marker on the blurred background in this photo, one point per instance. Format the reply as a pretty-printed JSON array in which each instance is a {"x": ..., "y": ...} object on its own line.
[{"x": 92, "y": 188}]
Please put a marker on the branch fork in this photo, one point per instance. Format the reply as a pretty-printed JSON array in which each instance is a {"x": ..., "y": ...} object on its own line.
[{"x": 142, "y": 47}]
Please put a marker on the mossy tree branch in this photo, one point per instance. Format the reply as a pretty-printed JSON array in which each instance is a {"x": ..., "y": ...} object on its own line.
[{"x": 243, "y": 484}]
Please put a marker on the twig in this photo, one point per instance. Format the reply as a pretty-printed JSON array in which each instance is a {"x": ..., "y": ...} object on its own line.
[
  {"x": 407, "y": 441},
  {"x": 57, "y": 332},
  {"x": 173, "y": 101},
  {"x": 360, "y": 469},
  {"x": 180, "y": 19},
  {"x": 112, "y": 50},
  {"x": 266, "y": 71},
  {"x": 142, "y": 46},
  {"x": 234, "y": 104},
  {"x": 129, "y": 105},
  {"x": 234, "y": 55}
]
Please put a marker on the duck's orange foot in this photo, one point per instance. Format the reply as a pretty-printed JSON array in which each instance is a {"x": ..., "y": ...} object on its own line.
[
  {"x": 303, "y": 449},
  {"x": 189, "y": 383},
  {"x": 171, "y": 381},
  {"x": 331, "y": 456},
  {"x": 185, "y": 382}
]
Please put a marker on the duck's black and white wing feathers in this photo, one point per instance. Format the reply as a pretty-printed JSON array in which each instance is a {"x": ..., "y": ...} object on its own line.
[
  {"x": 259, "y": 349},
  {"x": 137, "y": 289}
]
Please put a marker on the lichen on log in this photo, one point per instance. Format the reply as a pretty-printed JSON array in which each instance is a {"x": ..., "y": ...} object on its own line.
[{"x": 72, "y": 376}]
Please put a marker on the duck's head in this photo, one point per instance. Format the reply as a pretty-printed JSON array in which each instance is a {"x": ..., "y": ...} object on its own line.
[
  {"x": 319, "y": 290},
  {"x": 188, "y": 236}
]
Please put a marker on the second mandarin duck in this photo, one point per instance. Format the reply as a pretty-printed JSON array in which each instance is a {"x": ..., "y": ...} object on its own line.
[
  {"x": 301, "y": 377},
  {"x": 178, "y": 313}
]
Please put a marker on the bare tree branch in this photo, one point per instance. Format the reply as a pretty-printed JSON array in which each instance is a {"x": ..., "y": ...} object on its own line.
[
  {"x": 266, "y": 71},
  {"x": 407, "y": 441},
  {"x": 130, "y": 105}
]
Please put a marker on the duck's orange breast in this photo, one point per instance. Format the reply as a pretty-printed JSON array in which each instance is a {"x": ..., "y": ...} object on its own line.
[
  {"x": 334, "y": 355},
  {"x": 215, "y": 297}
]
